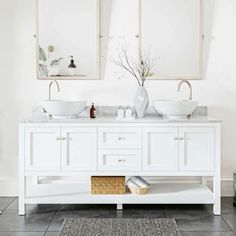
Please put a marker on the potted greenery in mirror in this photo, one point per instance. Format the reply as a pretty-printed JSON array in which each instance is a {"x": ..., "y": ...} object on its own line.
[
  {"x": 140, "y": 70},
  {"x": 48, "y": 67}
]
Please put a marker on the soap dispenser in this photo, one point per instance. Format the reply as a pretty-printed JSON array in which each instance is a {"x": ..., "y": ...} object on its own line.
[{"x": 72, "y": 67}]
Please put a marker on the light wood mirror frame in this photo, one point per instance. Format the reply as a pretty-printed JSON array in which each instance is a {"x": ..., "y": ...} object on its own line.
[
  {"x": 96, "y": 75},
  {"x": 200, "y": 39}
]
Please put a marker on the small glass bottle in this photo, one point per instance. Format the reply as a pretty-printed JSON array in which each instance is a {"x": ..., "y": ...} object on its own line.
[{"x": 92, "y": 112}]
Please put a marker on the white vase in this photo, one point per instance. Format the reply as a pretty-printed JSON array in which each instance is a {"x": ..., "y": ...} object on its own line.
[
  {"x": 54, "y": 70},
  {"x": 141, "y": 101}
]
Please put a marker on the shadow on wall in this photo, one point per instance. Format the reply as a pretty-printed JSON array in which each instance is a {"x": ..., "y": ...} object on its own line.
[
  {"x": 104, "y": 31},
  {"x": 209, "y": 11},
  {"x": 228, "y": 117}
]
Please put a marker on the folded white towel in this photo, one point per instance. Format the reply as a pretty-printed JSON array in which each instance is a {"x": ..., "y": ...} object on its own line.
[
  {"x": 142, "y": 180},
  {"x": 132, "y": 184},
  {"x": 138, "y": 182}
]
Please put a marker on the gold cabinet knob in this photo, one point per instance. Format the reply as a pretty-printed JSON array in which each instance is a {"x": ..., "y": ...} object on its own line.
[
  {"x": 121, "y": 160},
  {"x": 121, "y": 138}
]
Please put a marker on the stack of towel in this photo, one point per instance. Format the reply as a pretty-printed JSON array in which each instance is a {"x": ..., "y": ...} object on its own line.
[{"x": 137, "y": 182}]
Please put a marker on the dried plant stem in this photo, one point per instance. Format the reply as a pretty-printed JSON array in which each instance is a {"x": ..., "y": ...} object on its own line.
[
  {"x": 127, "y": 69},
  {"x": 139, "y": 70}
]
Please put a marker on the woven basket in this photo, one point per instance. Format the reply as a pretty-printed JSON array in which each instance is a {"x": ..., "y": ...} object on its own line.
[
  {"x": 139, "y": 191},
  {"x": 107, "y": 185}
]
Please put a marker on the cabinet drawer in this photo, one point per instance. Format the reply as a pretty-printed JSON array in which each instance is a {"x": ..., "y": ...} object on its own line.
[
  {"x": 119, "y": 160},
  {"x": 119, "y": 138}
]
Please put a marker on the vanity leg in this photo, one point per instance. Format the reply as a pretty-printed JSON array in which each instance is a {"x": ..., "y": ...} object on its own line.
[
  {"x": 35, "y": 180},
  {"x": 22, "y": 181},
  {"x": 217, "y": 204},
  {"x": 217, "y": 176},
  {"x": 21, "y": 175},
  {"x": 204, "y": 180},
  {"x": 119, "y": 207}
]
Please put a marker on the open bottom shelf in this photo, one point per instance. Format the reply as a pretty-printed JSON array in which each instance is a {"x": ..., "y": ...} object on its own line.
[{"x": 77, "y": 193}]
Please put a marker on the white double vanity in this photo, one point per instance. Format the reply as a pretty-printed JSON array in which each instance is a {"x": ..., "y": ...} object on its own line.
[
  {"x": 57, "y": 157},
  {"x": 148, "y": 147}
]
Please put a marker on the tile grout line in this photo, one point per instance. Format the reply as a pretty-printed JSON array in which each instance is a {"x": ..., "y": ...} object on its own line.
[
  {"x": 227, "y": 224},
  {"x": 221, "y": 216},
  {"x": 2, "y": 211},
  {"x": 16, "y": 200},
  {"x": 51, "y": 220},
  {"x": 17, "y": 231},
  {"x": 207, "y": 232}
]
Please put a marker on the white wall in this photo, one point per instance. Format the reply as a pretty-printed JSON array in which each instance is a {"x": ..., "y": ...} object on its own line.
[{"x": 19, "y": 89}]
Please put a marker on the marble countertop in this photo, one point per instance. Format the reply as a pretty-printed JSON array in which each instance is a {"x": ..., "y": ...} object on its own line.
[
  {"x": 106, "y": 114},
  {"x": 112, "y": 119}
]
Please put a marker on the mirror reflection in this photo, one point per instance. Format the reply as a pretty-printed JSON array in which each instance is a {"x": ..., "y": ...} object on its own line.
[{"x": 67, "y": 39}]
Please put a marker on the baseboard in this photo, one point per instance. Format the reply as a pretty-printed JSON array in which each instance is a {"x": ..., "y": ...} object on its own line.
[
  {"x": 227, "y": 187},
  {"x": 10, "y": 187}
]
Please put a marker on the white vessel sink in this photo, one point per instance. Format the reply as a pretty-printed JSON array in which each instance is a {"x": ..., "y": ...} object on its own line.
[
  {"x": 63, "y": 109},
  {"x": 175, "y": 109}
]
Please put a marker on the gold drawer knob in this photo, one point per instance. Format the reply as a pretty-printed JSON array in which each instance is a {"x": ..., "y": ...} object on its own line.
[
  {"x": 121, "y": 138},
  {"x": 121, "y": 160}
]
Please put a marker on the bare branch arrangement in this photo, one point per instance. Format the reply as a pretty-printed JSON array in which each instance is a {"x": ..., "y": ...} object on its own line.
[{"x": 140, "y": 69}]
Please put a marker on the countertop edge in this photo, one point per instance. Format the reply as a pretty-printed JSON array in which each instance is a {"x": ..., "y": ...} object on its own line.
[{"x": 203, "y": 119}]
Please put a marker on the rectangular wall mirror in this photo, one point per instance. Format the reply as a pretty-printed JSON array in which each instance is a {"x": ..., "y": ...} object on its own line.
[
  {"x": 67, "y": 39},
  {"x": 172, "y": 31}
]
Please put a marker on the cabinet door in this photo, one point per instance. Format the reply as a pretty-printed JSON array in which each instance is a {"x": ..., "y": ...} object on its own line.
[
  {"x": 79, "y": 149},
  {"x": 196, "y": 149},
  {"x": 160, "y": 149},
  {"x": 42, "y": 149}
]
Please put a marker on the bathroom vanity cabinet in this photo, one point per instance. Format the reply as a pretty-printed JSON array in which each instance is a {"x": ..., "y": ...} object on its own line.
[{"x": 146, "y": 147}]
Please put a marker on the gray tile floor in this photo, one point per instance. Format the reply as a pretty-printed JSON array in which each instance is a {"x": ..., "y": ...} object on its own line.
[{"x": 46, "y": 220}]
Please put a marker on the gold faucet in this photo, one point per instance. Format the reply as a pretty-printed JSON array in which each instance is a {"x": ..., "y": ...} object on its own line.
[
  {"x": 50, "y": 88},
  {"x": 190, "y": 88}
]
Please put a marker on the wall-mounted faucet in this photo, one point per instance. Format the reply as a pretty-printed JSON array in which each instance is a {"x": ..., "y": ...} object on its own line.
[
  {"x": 190, "y": 88},
  {"x": 50, "y": 88}
]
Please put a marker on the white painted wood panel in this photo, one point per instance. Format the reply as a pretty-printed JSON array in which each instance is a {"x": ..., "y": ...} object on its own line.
[
  {"x": 119, "y": 160},
  {"x": 42, "y": 149},
  {"x": 160, "y": 149},
  {"x": 196, "y": 149},
  {"x": 163, "y": 193},
  {"x": 119, "y": 138},
  {"x": 79, "y": 149},
  {"x": 174, "y": 149}
]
